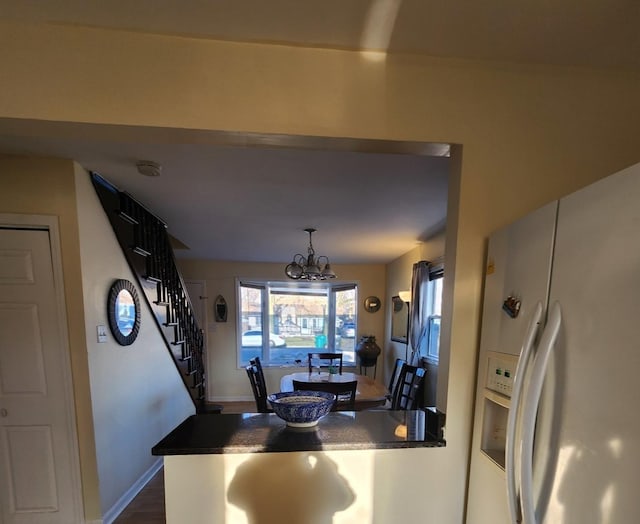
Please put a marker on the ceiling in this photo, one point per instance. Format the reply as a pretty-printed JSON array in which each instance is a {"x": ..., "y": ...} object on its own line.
[
  {"x": 250, "y": 197},
  {"x": 593, "y": 33}
]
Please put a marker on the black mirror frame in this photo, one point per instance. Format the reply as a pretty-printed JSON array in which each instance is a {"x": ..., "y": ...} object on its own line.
[
  {"x": 399, "y": 320},
  {"x": 116, "y": 288}
]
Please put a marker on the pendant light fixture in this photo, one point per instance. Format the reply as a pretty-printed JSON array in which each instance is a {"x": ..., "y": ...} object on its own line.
[{"x": 309, "y": 267}]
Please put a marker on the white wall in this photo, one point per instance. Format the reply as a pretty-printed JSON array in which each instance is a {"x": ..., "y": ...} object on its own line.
[{"x": 136, "y": 392}]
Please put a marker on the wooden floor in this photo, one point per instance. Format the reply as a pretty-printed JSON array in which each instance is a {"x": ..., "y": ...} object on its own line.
[{"x": 148, "y": 505}]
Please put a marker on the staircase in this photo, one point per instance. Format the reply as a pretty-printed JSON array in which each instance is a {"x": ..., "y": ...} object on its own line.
[{"x": 145, "y": 243}]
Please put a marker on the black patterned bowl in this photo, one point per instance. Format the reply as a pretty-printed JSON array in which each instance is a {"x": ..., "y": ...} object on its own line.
[{"x": 300, "y": 409}]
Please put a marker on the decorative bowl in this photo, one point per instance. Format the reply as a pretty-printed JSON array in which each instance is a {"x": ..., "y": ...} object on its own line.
[{"x": 301, "y": 409}]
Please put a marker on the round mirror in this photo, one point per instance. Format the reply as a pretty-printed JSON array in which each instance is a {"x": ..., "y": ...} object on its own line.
[{"x": 123, "y": 310}]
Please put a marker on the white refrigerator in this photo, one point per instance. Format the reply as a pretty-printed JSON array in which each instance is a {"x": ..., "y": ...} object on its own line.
[{"x": 556, "y": 430}]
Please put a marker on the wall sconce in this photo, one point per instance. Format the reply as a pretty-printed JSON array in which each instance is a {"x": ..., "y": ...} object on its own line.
[{"x": 405, "y": 296}]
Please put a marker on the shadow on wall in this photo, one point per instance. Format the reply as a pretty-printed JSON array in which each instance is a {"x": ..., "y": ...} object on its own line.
[{"x": 301, "y": 488}]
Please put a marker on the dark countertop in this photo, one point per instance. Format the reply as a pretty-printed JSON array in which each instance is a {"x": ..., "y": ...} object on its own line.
[{"x": 265, "y": 432}]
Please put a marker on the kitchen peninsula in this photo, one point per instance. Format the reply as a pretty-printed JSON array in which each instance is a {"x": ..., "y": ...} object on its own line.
[
  {"x": 265, "y": 432},
  {"x": 227, "y": 468}
]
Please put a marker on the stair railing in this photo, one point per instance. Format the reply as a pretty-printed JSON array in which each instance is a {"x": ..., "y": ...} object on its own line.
[{"x": 145, "y": 243}]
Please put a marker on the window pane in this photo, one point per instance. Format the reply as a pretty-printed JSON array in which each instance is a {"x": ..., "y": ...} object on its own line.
[
  {"x": 297, "y": 320},
  {"x": 433, "y": 334},
  {"x": 251, "y": 323},
  {"x": 437, "y": 296},
  {"x": 433, "y": 346},
  {"x": 345, "y": 323},
  {"x": 282, "y": 322}
]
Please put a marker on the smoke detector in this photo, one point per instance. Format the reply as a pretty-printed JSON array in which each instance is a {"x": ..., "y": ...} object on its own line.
[{"x": 149, "y": 168}]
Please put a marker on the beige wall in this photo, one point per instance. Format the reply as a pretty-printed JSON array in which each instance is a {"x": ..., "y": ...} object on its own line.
[
  {"x": 90, "y": 262},
  {"x": 529, "y": 134},
  {"x": 46, "y": 187},
  {"x": 399, "y": 274},
  {"x": 225, "y": 380},
  {"x": 399, "y": 279}
]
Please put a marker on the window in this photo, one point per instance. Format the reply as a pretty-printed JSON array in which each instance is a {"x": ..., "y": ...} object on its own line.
[
  {"x": 282, "y": 321},
  {"x": 435, "y": 313},
  {"x": 432, "y": 307}
]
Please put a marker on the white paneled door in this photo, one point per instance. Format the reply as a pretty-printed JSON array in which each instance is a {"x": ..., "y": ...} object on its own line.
[{"x": 36, "y": 448}]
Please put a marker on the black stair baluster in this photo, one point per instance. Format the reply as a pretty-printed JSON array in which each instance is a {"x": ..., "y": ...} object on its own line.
[{"x": 142, "y": 234}]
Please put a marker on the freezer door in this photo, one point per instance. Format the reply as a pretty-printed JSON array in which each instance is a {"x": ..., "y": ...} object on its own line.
[
  {"x": 518, "y": 266},
  {"x": 588, "y": 431}
]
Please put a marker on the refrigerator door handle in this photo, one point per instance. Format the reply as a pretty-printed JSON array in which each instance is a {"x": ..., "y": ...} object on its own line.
[
  {"x": 530, "y": 409},
  {"x": 512, "y": 477}
]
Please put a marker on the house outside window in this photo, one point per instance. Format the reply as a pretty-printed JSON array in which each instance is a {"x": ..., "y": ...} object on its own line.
[{"x": 283, "y": 321}]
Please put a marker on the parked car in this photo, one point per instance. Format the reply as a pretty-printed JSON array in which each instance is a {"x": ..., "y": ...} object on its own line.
[
  {"x": 254, "y": 338},
  {"x": 349, "y": 330}
]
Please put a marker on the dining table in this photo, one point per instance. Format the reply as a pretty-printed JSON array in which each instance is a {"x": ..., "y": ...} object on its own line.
[{"x": 369, "y": 393}]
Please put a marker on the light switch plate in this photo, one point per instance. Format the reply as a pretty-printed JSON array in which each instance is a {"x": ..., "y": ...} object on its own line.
[{"x": 102, "y": 333}]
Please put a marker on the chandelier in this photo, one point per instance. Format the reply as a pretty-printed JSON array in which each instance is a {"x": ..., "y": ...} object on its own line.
[{"x": 309, "y": 267}]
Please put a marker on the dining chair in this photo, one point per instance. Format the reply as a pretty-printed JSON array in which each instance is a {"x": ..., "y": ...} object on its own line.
[
  {"x": 258, "y": 385},
  {"x": 345, "y": 392},
  {"x": 395, "y": 375},
  {"x": 331, "y": 360},
  {"x": 405, "y": 395}
]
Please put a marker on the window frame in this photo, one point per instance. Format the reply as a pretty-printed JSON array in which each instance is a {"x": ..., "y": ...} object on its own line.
[
  {"x": 434, "y": 304},
  {"x": 265, "y": 286}
]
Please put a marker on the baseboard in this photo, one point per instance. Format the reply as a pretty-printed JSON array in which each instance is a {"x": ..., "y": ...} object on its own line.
[{"x": 131, "y": 493}]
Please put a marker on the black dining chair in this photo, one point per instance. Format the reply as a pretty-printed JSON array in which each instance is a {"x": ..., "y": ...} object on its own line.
[
  {"x": 405, "y": 395},
  {"x": 345, "y": 392},
  {"x": 395, "y": 375},
  {"x": 325, "y": 360},
  {"x": 258, "y": 385}
]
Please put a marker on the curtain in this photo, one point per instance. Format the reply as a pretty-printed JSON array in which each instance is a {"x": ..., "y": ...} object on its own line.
[
  {"x": 421, "y": 304},
  {"x": 419, "y": 318}
]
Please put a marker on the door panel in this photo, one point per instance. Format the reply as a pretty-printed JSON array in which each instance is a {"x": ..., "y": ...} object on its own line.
[
  {"x": 29, "y": 449},
  {"x": 518, "y": 265},
  {"x": 21, "y": 345},
  {"x": 36, "y": 472},
  {"x": 587, "y": 432}
]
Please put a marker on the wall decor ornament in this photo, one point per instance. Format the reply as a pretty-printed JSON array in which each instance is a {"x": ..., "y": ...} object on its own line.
[
  {"x": 123, "y": 312},
  {"x": 372, "y": 304},
  {"x": 220, "y": 309}
]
